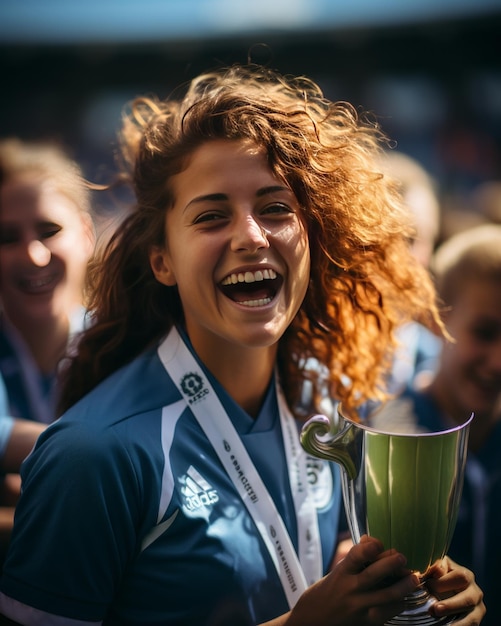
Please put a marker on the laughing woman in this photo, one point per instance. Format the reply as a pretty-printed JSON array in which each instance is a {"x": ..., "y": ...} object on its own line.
[
  {"x": 46, "y": 240},
  {"x": 263, "y": 236}
]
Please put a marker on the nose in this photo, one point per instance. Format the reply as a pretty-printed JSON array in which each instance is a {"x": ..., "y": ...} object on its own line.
[
  {"x": 38, "y": 253},
  {"x": 249, "y": 235}
]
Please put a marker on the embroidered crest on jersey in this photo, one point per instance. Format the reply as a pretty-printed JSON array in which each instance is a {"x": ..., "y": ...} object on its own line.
[
  {"x": 193, "y": 387},
  {"x": 196, "y": 491}
]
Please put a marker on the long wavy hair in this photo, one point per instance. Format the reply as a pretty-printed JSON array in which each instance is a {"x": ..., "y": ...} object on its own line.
[{"x": 364, "y": 280}]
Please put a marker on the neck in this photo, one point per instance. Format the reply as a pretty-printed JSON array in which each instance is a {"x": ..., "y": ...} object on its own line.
[
  {"x": 46, "y": 341},
  {"x": 244, "y": 372}
]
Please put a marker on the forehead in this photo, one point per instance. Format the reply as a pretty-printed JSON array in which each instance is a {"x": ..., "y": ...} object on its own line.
[
  {"x": 479, "y": 298},
  {"x": 221, "y": 162},
  {"x": 23, "y": 200},
  {"x": 225, "y": 149}
]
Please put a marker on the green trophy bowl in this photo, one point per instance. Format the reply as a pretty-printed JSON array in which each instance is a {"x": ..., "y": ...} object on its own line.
[{"x": 402, "y": 488}]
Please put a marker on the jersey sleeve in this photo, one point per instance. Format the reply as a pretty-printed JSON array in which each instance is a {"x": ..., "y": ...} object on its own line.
[
  {"x": 75, "y": 525},
  {"x": 6, "y": 426}
]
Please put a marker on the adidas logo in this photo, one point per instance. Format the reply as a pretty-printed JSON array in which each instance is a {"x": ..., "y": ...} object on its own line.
[{"x": 196, "y": 490}]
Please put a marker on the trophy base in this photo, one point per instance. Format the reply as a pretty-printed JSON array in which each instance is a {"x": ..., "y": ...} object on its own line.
[{"x": 417, "y": 612}]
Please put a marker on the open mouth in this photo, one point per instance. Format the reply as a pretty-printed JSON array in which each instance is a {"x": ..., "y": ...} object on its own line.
[
  {"x": 252, "y": 289},
  {"x": 36, "y": 285}
]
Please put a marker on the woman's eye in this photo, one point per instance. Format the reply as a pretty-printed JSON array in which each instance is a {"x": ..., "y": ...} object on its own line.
[
  {"x": 8, "y": 237},
  {"x": 486, "y": 334},
  {"x": 277, "y": 207},
  {"x": 46, "y": 229},
  {"x": 207, "y": 217},
  {"x": 50, "y": 232}
]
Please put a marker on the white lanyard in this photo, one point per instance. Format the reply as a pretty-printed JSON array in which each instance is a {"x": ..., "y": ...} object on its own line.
[{"x": 213, "y": 419}]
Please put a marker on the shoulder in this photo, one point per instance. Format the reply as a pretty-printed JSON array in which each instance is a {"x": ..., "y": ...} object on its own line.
[
  {"x": 141, "y": 386},
  {"x": 119, "y": 419}
]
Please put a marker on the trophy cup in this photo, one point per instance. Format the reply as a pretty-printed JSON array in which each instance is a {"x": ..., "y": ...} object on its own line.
[{"x": 402, "y": 488}]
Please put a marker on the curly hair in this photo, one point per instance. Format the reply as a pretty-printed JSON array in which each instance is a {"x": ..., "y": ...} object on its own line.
[{"x": 364, "y": 280}]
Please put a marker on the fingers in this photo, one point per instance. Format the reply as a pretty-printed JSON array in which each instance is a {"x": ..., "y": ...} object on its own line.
[
  {"x": 471, "y": 617},
  {"x": 370, "y": 552},
  {"x": 366, "y": 588},
  {"x": 458, "y": 592},
  {"x": 377, "y": 569},
  {"x": 361, "y": 554},
  {"x": 452, "y": 582},
  {"x": 447, "y": 577}
]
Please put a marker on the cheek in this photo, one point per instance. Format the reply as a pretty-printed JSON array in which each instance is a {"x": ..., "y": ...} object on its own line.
[
  {"x": 303, "y": 259},
  {"x": 6, "y": 264},
  {"x": 460, "y": 356},
  {"x": 71, "y": 249},
  {"x": 305, "y": 271},
  {"x": 64, "y": 255}
]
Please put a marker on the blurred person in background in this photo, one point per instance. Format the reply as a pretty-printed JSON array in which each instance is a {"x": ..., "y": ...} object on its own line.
[
  {"x": 467, "y": 269},
  {"x": 486, "y": 199},
  {"x": 46, "y": 240},
  {"x": 416, "y": 358}
]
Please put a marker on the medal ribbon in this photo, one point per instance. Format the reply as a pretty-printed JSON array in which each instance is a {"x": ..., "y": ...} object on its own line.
[{"x": 295, "y": 573}]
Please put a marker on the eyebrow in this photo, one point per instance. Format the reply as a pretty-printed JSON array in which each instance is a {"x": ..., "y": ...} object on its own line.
[
  {"x": 47, "y": 224},
  {"x": 272, "y": 189},
  {"x": 10, "y": 223},
  {"x": 220, "y": 197}
]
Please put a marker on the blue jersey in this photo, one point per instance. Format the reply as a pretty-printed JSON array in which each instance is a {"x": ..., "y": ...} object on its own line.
[
  {"x": 128, "y": 517},
  {"x": 31, "y": 394}
]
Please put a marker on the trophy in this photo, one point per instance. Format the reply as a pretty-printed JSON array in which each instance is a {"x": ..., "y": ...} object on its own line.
[{"x": 402, "y": 488}]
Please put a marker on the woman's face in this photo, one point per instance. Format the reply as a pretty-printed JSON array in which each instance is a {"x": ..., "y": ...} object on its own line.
[
  {"x": 236, "y": 247},
  {"x": 470, "y": 372},
  {"x": 45, "y": 244}
]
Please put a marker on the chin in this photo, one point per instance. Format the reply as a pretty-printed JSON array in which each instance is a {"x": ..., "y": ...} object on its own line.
[{"x": 259, "y": 339}]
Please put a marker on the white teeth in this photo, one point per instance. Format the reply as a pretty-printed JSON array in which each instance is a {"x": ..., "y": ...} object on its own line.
[
  {"x": 249, "y": 277},
  {"x": 253, "y": 303},
  {"x": 39, "y": 283}
]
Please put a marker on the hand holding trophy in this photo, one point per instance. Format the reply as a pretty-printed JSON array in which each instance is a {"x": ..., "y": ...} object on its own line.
[{"x": 402, "y": 488}]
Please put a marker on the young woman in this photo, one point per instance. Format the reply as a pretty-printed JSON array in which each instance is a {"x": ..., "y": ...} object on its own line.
[
  {"x": 46, "y": 240},
  {"x": 263, "y": 238}
]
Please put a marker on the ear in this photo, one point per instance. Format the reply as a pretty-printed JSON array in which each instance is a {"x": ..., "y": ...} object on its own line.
[{"x": 161, "y": 268}]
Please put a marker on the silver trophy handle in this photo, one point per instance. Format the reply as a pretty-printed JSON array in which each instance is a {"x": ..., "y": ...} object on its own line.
[{"x": 320, "y": 437}]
